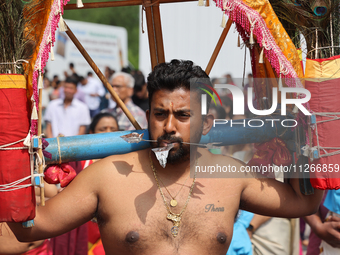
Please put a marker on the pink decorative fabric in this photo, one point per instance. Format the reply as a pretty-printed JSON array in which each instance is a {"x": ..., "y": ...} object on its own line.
[{"x": 44, "y": 51}]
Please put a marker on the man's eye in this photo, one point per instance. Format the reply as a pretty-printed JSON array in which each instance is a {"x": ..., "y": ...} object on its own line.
[
  {"x": 184, "y": 115},
  {"x": 159, "y": 114}
]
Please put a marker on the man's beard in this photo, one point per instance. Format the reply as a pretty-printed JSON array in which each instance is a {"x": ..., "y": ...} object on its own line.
[{"x": 181, "y": 154}]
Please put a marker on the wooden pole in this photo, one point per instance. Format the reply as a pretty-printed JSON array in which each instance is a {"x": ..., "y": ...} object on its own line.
[
  {"x": 151, "y": 34},
  {"x": 100, "y": 75},
  {"x": 41, "y": 169},
  {"x": 118, "y": 4},
  {"x": 153, "y": 21},
  {"x": 218, "y": 46},
  {"x": 158, "y": 33}
]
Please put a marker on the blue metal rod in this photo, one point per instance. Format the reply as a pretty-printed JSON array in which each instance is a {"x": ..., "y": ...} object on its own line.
[{"x": 96, "y": 146}]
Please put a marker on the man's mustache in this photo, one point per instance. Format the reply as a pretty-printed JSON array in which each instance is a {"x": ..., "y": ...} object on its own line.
[{"x": 170, "y": 138}]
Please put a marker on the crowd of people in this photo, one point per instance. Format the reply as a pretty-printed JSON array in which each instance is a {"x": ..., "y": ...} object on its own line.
[
  {"x": 70, "y": 104},
  {"x": 78, "y": 105}
]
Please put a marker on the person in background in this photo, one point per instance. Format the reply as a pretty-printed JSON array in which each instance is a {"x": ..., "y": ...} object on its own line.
[
  {"x": 108, "y": 72},
  {"x": 103, "y": 122},
  {"x": 54, "y": 80},
  {"x": 93, "y": 90},
  {"x": 55, "y": 94},
  {"x": 227, "y": 104},
  {"x": 49, "y": 87},
  {"x": 250, "y": 84},
  {"x": 45, "y": 99},
  {"x": 104, "y": 100},
  {"x": 229, "y": 79},
  {"x": 325, "y": 226},
  {"x": 123, "y": 84},
  {"x": 72, "y": 72},
  {"x": 67, "y": 116},
  {"x": 217, "y": 111},
  {"x": 140, "y": 92}
]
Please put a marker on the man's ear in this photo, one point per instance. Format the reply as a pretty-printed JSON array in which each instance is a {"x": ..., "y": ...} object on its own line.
[{"x": 207, "y": 123}]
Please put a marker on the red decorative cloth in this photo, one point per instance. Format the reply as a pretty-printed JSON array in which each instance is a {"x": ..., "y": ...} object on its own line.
[
  {"x": 44, "y": 249},
  {"x": 97, "y": 249},
  {"x": 94, "y": 234},
  {"x": 269, "y": 153},
  {"x": 62, "y": 174},
  {"x": 71, "y": 243},
  {"x": 15, "y": 205},
  {"x": 325, "y": 98}
]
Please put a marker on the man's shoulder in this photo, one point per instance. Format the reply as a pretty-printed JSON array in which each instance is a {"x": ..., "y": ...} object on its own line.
[
  {"x": 54, "y": 106},
  {"x": 218, "y": 158},
  {"x": 55, "y": 102},
  {"x": 220, "y": 166},
  {"x": 126, "y": 163},
  {"x": 76, "y": 102}
]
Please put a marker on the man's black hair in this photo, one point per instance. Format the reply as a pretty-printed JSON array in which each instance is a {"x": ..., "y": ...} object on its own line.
[
  {"x": 71, "y": 80},
  {"x": 71, "y": 65},
  {"x": 178, "y": 74},
  {"x": 126, "y": 69},
  {"x": 98, "y": 117},
  {"x": 139, "y": 81}
]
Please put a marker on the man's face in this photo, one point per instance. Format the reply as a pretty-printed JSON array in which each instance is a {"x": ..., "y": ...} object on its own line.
[
  {"x": 83, "y": 82},
  {"x": 174, "y": 119},
  {"x": 120, "y": 87},
  {"x": 69, "y": 90}
]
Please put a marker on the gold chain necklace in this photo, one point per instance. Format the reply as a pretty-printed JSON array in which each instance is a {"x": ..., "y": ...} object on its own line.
[
  {"x": 173, "y": 201},
  {"x": 174, "y": 217}
]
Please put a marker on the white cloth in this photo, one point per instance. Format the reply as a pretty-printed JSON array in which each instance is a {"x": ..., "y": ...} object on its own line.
[
  {"x": 274, "y": 237},
  {"x": 93, "y": 86},
  {"x": 326, "y": 249},
  {"x": 67, "y": 121}
]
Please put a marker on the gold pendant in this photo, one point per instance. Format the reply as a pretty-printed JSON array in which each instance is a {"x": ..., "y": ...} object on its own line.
[
  {"x": 174, "y": 231},
  {"x": 176, "y": 220},
  {"x": 173, "y": 202}
]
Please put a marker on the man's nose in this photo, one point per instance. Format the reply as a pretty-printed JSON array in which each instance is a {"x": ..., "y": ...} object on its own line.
[{"x": 170, "y": 124}]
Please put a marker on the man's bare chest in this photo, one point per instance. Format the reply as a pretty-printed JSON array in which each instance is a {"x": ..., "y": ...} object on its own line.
[{"x": 139, "y": 221}]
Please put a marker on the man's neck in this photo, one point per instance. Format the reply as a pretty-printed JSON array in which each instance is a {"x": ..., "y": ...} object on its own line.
[
  {"x": 176, "y": 171},
  {"x": 67, "y": 102},
  {"x": 127, "y": 100}
]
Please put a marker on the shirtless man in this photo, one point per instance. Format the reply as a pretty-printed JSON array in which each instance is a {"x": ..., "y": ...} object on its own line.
[{"x": 123, "y": 193}]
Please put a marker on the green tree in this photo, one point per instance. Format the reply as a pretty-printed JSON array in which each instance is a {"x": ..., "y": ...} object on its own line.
[{"x": 127, "y": 17}]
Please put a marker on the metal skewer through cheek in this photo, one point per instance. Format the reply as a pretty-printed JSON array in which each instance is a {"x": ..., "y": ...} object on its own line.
[
  {"x": 161, "y": 153},
  {"x": 136, "y": 138}
]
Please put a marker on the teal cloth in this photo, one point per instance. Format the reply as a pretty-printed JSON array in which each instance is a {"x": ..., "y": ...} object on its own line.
[
  {"x": 240, "y": 242},
  {"x": 332, "y": 201}
]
